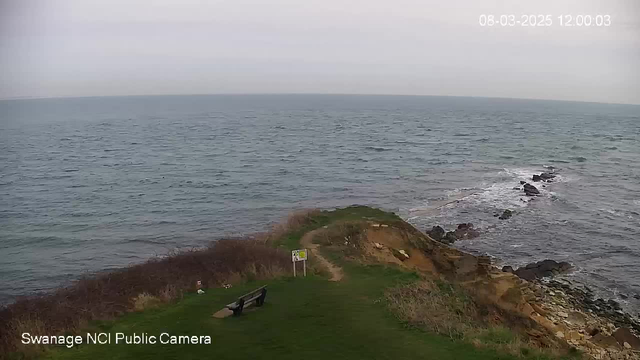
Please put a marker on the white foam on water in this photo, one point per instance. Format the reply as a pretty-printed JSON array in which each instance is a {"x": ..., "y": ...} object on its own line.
[
  {"x": 526, "y": 174},
  {"x": 420, "y": 208},
  {"x": 500, "y": 195},
  {"x": 610, "y": 211}
]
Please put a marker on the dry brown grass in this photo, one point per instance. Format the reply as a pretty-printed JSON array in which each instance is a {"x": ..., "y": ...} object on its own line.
[
  {"x": 438, "y": 307},
  {"x": 145, "y": 301},
  {"x": 161, "y": 280},
  {"x": 449, "y": 310},
  {"x": 347, "y": 233},
  {"x": 294, "y": 222}
]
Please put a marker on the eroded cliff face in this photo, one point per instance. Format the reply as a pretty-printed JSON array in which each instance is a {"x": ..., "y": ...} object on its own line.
[{"x": 548, "y": 317}]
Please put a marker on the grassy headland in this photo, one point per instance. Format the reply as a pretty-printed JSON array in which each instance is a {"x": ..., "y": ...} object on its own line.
[{"x": 382, "y": 308}]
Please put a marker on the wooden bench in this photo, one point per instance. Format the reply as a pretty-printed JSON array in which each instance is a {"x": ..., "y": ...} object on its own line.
[{"x": 257, "y": 296}]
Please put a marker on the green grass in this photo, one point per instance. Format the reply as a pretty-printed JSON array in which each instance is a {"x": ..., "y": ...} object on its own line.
[
  {"x": 308, "y": 318},
  {"x": 303, "y": 318},
  {"x": 292, "y": 240}
]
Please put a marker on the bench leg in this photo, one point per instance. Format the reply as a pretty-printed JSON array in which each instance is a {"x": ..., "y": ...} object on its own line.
[
  {"x": 260, "y": 300},
  {"x": 238, "y": 310}
]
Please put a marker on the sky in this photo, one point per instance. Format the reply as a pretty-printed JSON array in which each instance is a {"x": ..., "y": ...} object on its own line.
[{"x": 67, "y": 48}]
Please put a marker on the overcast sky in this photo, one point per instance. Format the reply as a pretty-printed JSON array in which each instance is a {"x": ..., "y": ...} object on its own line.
[{"x": 55, "y": 48}]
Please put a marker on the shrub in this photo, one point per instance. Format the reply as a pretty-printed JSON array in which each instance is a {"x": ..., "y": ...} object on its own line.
[{"x": 159, "y": 280}]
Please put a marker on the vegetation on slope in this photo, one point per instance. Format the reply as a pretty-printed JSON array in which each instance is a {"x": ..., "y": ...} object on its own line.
[{"x": 362, "y": 316}]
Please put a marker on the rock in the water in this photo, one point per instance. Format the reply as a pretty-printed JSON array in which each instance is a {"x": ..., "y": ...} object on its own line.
[
  {"x": 531, "y": 190},
  {"x": 450, "y": 237},
  {"x": 540, "y": 269},
  {"x": 466, "y": 231},
  {"x": 624, "y": 335},
  {"x": 522, "y": 182},
  {"x": 614, "y": 304},
  {"x": 546, "y": 176},
  {"x": 436, "y": 233},
  {"x": 465, "y": 226},
  {"x": 526, "y": 274},
  {"x": 507, "y": 269},
  {"x": 506, "y": 215}
]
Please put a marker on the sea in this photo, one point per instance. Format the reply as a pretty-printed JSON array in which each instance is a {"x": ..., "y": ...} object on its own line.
[{"x": 93, "y": 184}]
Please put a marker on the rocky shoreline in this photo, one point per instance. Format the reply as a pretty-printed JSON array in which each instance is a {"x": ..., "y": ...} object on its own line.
[{"x": 595, "y": 326}]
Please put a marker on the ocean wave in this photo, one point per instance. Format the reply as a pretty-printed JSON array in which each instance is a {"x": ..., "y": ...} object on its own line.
[{"x": 376, "y": 148}]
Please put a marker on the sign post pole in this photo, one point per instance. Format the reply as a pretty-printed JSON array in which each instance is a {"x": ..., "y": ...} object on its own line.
[
  {"x": 294, "y": 268},
  {"x": 304, "y": 264}
]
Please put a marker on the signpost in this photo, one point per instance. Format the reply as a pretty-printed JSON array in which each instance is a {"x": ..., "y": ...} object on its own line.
[{"x": 299, "y": 255}]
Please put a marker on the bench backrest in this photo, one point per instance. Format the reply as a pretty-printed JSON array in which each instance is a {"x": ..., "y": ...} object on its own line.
[{"x": 251, "y": 294}]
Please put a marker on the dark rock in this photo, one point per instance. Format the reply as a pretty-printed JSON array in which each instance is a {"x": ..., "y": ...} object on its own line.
[
  {"x": 466, "y": 231},
  {"x": 516, "y": 188},
  {"x": 450, "y": 237},
  {"x": 546, "y": 176},
  {"x": 540, "y": 269},
  {"x": 636, "y": 296},
  {"x": 436, "y": 233},
  {"x": 531, "y": 190},
  {"x": 593, "y": 331},
  {"x": 507, "y": 268},
  {"x": 624, "y": 335},
  {"x": 526, "y": 274},
  {"x": 614, "y": 304},
  {"x": 565, "y": 266},
  {"x": 465, "y": 226},
  {"x": 506, "y": 215},
  {"x": 624, "y": 296},
  {"x": 522, "y": 182}
]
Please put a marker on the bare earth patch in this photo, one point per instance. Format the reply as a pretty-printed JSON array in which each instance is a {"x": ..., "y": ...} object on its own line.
[{"x": 336, "y": 272}]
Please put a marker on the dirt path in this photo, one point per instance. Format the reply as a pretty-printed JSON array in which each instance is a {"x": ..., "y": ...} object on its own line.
[{"x": 336, "y": 271}]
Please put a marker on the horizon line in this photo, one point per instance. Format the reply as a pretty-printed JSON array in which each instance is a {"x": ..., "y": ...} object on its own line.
[{"x": 18, "y": 98}]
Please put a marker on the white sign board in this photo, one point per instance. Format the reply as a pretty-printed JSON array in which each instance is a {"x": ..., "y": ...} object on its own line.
[{"x": 299, "y": 255}]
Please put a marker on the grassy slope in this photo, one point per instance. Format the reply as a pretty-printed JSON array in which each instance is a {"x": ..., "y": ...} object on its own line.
[{"x": 308, "y": 318}]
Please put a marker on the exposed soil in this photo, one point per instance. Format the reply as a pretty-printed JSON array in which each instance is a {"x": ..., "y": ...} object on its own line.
[{"x": 336, "y": 271}]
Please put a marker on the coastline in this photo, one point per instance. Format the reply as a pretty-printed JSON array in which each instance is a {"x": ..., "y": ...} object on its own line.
[{"x": 557, "y": 314}]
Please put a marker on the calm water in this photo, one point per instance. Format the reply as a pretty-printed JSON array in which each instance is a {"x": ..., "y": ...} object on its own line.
[{"x": 99, "y": 183}]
